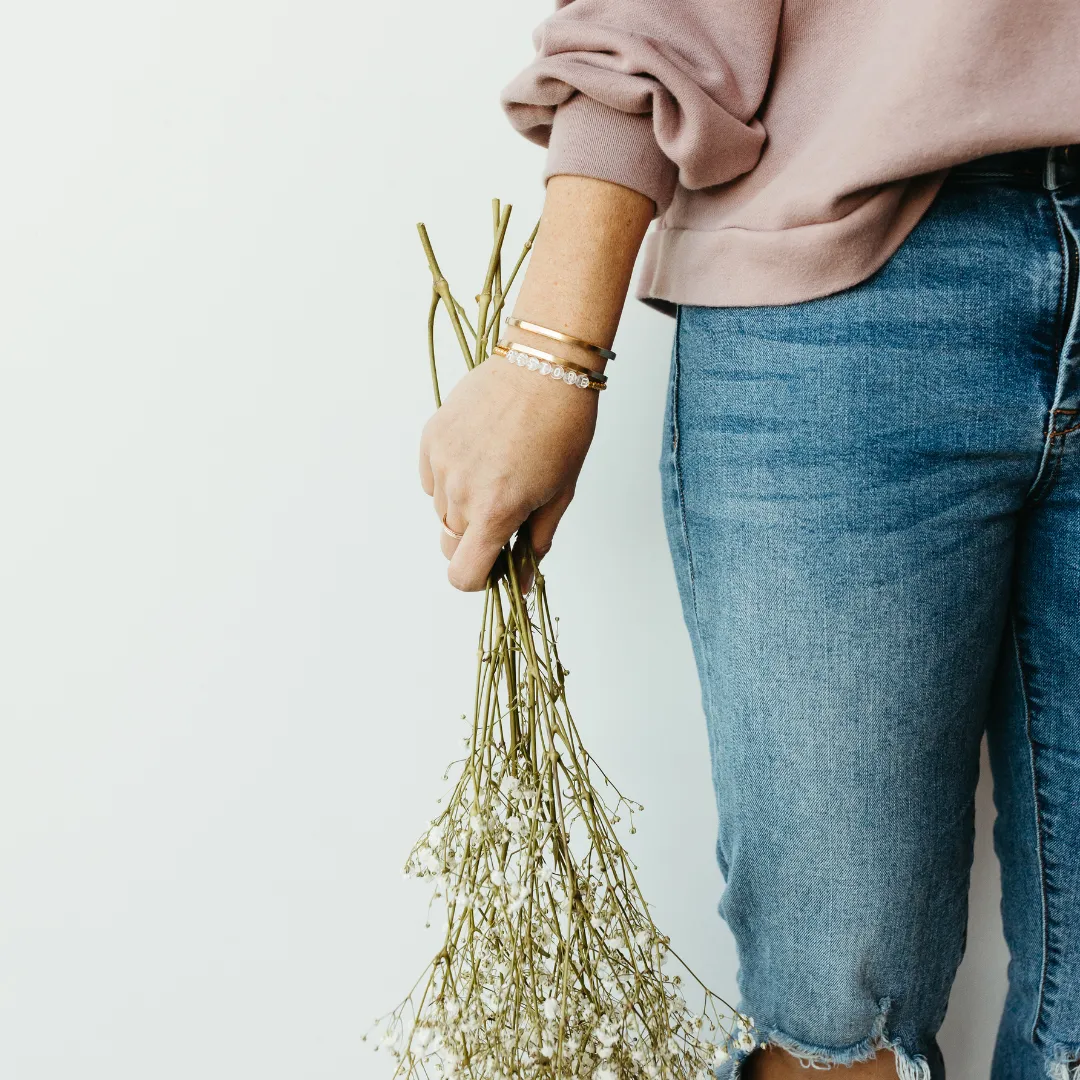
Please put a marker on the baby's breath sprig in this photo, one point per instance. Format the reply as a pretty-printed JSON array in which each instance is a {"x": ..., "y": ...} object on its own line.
[{"x": 550, "y": 967}]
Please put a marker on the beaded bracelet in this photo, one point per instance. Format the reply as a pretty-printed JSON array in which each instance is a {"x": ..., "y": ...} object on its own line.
[{"x": 535, "y": 360}]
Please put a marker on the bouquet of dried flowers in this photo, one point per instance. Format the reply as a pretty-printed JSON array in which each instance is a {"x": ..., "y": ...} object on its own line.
[{"x": 550, "y": 966}]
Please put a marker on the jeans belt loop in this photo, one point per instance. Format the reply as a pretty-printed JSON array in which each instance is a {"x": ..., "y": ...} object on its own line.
[{"x": 1062, "y": 166}]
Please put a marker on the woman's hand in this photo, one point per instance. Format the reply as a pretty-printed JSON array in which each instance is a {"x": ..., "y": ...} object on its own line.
[{"x": 506, "y": 447}]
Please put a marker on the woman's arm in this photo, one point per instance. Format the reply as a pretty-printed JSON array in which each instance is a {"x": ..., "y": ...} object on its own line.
[
  {"x": 631, "y": 97},
  {"x": 579, "y": 272},
  {"x": 507, "y": 445}
]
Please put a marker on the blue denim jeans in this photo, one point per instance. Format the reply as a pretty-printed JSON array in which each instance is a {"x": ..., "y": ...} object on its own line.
[{"x": 873, "y": 505}]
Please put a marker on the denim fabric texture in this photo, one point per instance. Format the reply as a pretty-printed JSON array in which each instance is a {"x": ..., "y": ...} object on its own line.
[{"x": 873, "y": 507}]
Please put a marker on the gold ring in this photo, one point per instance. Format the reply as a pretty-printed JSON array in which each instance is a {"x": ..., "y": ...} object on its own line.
[{"x": 449, "y": 531}]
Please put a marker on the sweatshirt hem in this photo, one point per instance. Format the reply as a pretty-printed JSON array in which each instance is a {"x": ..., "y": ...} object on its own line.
[{"x": 735, "y": 267}]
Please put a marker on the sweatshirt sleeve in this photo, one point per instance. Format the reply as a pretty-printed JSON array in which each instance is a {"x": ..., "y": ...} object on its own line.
[{"x": 647, "y": 93}]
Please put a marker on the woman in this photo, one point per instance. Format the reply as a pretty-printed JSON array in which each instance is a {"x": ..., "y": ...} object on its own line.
[{"x": 868, "y": 225}]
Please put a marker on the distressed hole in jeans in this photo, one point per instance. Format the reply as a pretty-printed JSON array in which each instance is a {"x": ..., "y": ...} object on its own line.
[{"x": 1065, "y": 1065}]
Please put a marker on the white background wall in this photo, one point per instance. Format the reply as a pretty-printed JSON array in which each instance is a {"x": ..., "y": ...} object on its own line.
[{"x": 230, "y": 666}]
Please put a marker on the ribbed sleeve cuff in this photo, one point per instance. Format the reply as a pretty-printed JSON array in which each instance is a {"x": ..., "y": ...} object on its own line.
[{"x": 592, "y": 139}]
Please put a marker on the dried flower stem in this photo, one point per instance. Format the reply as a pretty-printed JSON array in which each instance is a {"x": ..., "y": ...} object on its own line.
[{"x": 551, "y": 967}]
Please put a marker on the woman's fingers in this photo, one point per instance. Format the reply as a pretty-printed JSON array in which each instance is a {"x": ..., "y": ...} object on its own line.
[
  {"x": 451, "y": 517},
  {"x": 448, "y": 543},
  {"x": 540, "y": 528},
  {"x": 475, "y": 553},
  {"x": 545, "y": 520},
  {"x": 484, "y": 534},
  {"x": 484, "y": 530}
]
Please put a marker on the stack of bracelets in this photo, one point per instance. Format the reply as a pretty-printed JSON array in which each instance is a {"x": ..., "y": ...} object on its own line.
[{"x": 554, "y": 366}]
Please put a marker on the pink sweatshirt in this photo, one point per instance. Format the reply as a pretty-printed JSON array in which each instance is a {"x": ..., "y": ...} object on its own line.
[{"x": 790, "y": 145}]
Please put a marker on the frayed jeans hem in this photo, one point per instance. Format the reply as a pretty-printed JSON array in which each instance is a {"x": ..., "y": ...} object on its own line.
[
  {"x": 908, "y": 1066},
  {"x": 1064, "y": 1065}
]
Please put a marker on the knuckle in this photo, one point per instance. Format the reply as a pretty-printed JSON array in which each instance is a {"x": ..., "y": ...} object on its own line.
[
  {"x": 427, "y": 434},
  {"x": 499, "y": 504},
  {"x": 432, "y": 443},
  {"x": 456, "y": 488},
  {"x": 424, "y": 472},
  {"x": 436, "y": 459}
]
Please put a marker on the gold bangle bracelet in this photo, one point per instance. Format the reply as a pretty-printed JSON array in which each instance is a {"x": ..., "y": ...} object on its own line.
[
  {"x": 555, "y": 366},
  {"x": 555, "y": 335}
]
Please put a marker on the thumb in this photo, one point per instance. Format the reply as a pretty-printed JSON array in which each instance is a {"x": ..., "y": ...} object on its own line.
[{"x": 540, "y": 528}]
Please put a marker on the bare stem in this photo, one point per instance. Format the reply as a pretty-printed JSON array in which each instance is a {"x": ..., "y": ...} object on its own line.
[
  {"x": 550, "y": 966},
  {"x": 442, "y": 287}
]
